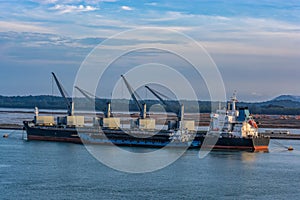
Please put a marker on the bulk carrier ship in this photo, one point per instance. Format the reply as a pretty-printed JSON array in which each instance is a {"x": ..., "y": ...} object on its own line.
[{"x": 234, "y": 129}]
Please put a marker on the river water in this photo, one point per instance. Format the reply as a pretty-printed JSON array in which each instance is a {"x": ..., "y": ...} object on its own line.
[{"x": 51, "y": 170}]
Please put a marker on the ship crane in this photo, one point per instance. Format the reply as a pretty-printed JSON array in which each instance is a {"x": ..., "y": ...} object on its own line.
[
  {"x": 168, "y": 106},
  {"x": 179, "y": 110},
  {"x": 90, "y": 97},
  {"x": 142, "y": 122},
  {"x": 108, "y": 121},
  {"x": 70, "y": 104},
  {"x": 134, "y": 95}
]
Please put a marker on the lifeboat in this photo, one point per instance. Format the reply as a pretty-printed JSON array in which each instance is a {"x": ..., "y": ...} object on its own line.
[{"x": 252, "y": 123}]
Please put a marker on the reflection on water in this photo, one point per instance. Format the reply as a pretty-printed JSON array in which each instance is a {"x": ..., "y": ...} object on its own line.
[
  {"x": 248, "y": 157},
  {"x": 243, "y": 156}
]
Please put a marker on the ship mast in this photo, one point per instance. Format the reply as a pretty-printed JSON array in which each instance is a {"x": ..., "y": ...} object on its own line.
[{"x": 233, "y": 101}]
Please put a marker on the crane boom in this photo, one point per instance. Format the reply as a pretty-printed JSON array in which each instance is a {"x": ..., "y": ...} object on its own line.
[
  {"x": 158, "y": 95},
  {"x": 92, "y": 98},
  {"x": 63, "y": 94},
  {"x": 85, "y": 93},
  {"x": 134, "y": 95}
]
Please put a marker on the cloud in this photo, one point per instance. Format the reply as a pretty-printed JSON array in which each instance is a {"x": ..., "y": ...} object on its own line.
[
  {"x": 151, "y": 4},
  {"x": 46, "y": 40},
  {"x": 72, "y": 8},
  {"x": 174, "y": 15},
  {"x": 233, "y": 35},
  {"x": 72, "y": 1},
  {"x": 46, "y": 1},
  {"x": 23, "y": 27},
  {"x": 126, "y": 8}
]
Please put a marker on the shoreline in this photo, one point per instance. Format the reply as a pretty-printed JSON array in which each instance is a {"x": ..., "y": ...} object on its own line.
[{"x": 11, "y": 126}]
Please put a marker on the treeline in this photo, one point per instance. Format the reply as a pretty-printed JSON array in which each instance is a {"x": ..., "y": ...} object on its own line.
[
  {"x": 56, "y": 102},
  {"x": 285, "y": 107},
  {"x": 42, "y": 101}
]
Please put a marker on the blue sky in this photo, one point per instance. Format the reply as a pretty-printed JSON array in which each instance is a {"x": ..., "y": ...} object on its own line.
[{"x": 255, "y": 44}]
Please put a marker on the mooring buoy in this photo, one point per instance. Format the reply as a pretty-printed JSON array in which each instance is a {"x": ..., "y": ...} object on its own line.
[{"x": 290, "y": 148}]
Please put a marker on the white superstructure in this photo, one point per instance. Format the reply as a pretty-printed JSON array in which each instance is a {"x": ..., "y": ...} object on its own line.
[{"x": 231, "y": 122}]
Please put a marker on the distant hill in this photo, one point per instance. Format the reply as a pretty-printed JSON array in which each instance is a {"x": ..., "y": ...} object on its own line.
[
  {"x": 287, "y": 98},
  {"x": 281, "y": 105}
]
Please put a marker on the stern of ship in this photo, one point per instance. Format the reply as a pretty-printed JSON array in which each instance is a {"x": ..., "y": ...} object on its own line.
[{"x": 261, "y": 143}]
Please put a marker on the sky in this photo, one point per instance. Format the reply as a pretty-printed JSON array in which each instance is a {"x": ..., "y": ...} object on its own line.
[{"x": 255, "y": 44}]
